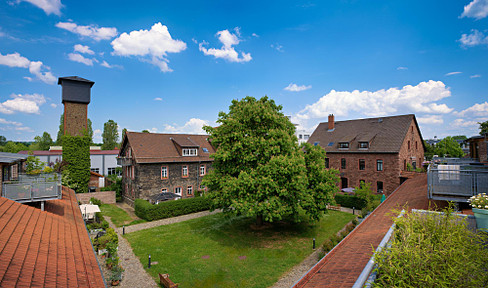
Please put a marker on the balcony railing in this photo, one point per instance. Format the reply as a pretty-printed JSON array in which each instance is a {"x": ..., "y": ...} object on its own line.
[
  {"x": 33, "y": 188},
  {"x": 124, "y": 161},
  {"x": 456, "y": 182}
]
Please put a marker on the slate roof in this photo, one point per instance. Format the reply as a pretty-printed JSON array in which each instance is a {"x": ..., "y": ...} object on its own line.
[
  {"x": 6, "y": 157},
  {"x": 75, "y": 78},
  {"x": 48, "y": 248},
  {"x": 163, "y": 148},
  {"x": 384, "y": 134}
]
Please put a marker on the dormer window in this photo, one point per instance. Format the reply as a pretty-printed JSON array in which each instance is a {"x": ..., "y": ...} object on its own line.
[
  {"x": 344, "y": 145},
  {"x": 363, "y": 145},
  {"x": 189, "y": 152}
]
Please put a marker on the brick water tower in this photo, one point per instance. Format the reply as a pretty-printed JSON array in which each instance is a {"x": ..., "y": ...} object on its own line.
[{"x": 75, "y": 97}]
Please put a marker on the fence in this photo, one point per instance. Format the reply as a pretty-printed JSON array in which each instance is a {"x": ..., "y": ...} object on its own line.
[{"x": 30, "y": 188}]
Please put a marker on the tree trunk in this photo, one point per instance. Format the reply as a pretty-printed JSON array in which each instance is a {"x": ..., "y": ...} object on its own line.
[{"x": 259, "y": 220}]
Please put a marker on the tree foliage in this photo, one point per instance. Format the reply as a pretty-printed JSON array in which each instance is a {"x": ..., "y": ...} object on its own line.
[
  {"x": 449, "y": 147},
  {"x": 43, "y": 142},
  {"x": 258, "y": 169},
  {"x": 483, "y": 127},
  {"x": 110, "y": 135},
  {"x": 13, "y": 147},
  {"x": 76, "y": 152}
]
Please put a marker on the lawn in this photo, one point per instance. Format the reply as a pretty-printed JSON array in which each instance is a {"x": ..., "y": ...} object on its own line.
[
  {"x": 216, "y": 251},
  {"x": 118, "y": 216}
]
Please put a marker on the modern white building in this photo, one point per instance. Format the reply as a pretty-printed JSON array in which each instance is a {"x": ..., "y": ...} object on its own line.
[{"x": 102, "y": 161}]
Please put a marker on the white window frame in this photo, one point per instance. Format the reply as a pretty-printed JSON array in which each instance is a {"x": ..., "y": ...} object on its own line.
[
  {"x": 203, "y": 168},
  {"x": 178, "y": 189},
  {"x": 189, "y": 152},
  {"x": 189, "y": 190},
  {"x": 166, "y": 172},
  {"x": 184, "y": 171}
]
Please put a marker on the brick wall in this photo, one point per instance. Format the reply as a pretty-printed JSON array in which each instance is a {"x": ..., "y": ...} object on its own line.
[
  {"x": 416, "y": 151},
  {"x": 107, "y": 197},
  {"x": 75, "y": 118}
]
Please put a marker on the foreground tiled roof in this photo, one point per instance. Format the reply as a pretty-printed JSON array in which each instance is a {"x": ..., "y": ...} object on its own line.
[
  {"x": 343, "y": 265},
  {"x": 48, "y": 248},
  {"x": 384, "y": 134},
  {"x": 160, "y": 148}
]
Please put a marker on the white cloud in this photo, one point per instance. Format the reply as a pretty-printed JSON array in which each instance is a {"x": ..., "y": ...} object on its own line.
[
  {"x": 80, "y": 59},
  {"x": 475, "y": 110},
  {"x": 477, "y": 9},
  {"x": 432, "y": 119},
  {"x": 278, "y": 47},
  {"x": 462, "y": 123},
  {"x": 193, "y": 126},
  {"x": 475, "y": 76},
  {"x": 13, "y": 125},
  {"x": 97, "y": 136},
  {"x": 158, "y": 99},
  {"x": 227, "y": 51},
  {"x": 255, "y": 35},
  {"x": 83, "y": 49},
  {"x": 452, "y": 73},
  {"x": 402, "y": 68},
  {"x": 49, "y": 6},
  {"x": 27, "y": 103},
  {"x": 421, "y": 98},
  {"x": 91, "y": 31},
  {"x": 154, "y": 43},
  {"x": 473, "y": 39},
  {"x": 16, "y": 60},
  {"x": 53, "y": 105},
  {"x": 295, "y": 88}
]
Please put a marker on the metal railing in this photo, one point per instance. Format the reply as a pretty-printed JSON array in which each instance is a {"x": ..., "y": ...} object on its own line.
[
  {"x": 456, "y": 182},
  {"x": 29, "y": 188},
  {"x": 124, "y": 161}
]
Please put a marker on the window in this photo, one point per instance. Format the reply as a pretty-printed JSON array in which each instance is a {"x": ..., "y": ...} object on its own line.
[
  {"x": 190, "y": 152},
  {"x": 315, "y": 143},
  {"x": 205, "y": 150},
  {"x": 379, "y": 187},
  {"x": 111, "y": 171},
  {"x": 164, "y": 190},
  {"x": 202, "y": 187},
  {"x": 330, "y": 144},
  {"x": 184, "y": 171},
  {"x": 343, "y": 183},
  {"x": 164, "y": 172},
  {"x": 363, "y": 145},
  {"x": 178, "y": 190},
  {"x": 343, "y": 163},
  {"x": 414, "y": 165},
  {"x": 189, "y": 190},
  {"x": 305, "y": 137},
  {"x": 416, "y": 145},
  {"x": 202, "y": 169},
  {"x": 379, "y": 165},
  {"x": 300, "y": 136},
  {"x": 326, "y": 162},
  {"x": 96, "y": 170},
  {"x": 408, "y": 144},
  {"x": 344, "y": 145},
  {"x": 362, "y": 164}
]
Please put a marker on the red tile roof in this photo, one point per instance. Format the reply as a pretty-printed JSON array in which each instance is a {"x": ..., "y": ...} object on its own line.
[
  {"x": 343, "y": 265},
  {"x": 48, "y": 248}
]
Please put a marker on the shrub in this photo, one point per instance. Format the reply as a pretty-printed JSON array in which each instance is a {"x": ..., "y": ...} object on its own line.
[
  {"x": 328, "y": 245},
  {"x": 350, "y": 201},
  {"x": 95, "y": 201},
  {"x": 167, "y": 209},
  {"x": 433, "y": 250}
]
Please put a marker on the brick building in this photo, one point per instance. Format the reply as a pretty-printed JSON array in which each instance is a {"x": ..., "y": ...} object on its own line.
[
  {"x": 153, "y": 163},
  {"x": 373, "y": 150},
  {"x": 478, "y": 148}
]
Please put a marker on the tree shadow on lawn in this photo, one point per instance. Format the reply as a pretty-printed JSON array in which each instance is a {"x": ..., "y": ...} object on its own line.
[{"x": 241, "y": 232}]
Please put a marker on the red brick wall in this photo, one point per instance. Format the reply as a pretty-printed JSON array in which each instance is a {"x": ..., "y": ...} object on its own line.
[
  {"x": 75, "y": 118},
  {"x": 107, "y": 197},
  {"x": 415, "y": 153}
]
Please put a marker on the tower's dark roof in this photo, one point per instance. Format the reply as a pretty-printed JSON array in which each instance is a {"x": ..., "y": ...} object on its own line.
[{"x": 74, "y": 78}]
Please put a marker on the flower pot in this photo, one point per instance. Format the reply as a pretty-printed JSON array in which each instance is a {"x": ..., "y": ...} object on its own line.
[
  {"x": 115, "y": 282},
  {"x": 481, "y": 216}
]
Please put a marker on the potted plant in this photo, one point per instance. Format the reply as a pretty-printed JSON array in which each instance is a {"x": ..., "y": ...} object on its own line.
[
  {"x": 116, "y": 275},
  {"x": 480, "y": 209}
]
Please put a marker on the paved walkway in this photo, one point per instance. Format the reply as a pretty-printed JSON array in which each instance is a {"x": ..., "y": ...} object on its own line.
[
  {"x": 342, "y": 266},
  {"x": 135, "y": 275}
]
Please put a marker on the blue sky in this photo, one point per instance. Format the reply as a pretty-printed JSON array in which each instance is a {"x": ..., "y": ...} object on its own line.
[{"x": 171, "y": 66}]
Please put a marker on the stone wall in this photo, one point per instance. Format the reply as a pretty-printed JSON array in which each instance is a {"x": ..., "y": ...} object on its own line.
[
  {"x": 416, "y": 151},
  {"x": 107, "y": 197},
  {"x": 75, "y": 118}
]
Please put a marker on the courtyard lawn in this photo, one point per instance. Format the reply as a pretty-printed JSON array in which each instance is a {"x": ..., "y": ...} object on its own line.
[
  {"x": 216, "y": 251},
  {"x": 118, "y": 215}
]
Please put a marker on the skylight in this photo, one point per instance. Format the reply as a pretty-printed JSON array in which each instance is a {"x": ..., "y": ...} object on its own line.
[
  {"x": 330, "y": 144},
  {"x": 205, "y": 150}
]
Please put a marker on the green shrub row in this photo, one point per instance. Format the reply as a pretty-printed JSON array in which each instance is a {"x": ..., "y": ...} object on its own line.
[
  {"x": 167, "y": 209},
  {"x": 351, "y": 201}
]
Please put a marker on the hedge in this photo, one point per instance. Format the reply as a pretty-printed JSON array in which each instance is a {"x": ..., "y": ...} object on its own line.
[
  {"x": 172, "y": 208},
  {"x": 350, "y": 201}
]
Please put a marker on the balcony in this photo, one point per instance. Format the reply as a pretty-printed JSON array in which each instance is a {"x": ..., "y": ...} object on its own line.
[
  {"x": 30, "y": 188},
  {"x": 455, "y": 181},
  {"x": 124, "y": 161}
]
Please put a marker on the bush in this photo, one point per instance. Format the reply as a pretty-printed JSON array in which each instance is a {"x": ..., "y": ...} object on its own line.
[
  {"x": 433, "y": 250},
  {"x": 95, "y": 201},
  {"x": 173, "y": 208},
  {"x": 350, "y": 201}
]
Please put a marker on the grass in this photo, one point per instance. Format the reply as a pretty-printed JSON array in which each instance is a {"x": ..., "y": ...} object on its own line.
[
  {"x": 216, "y": 251},
  {"x": 118, "y": 215}
]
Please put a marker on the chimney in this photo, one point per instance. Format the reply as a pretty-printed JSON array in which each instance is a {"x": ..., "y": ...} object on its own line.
[
  {"x": 75, "y": 97},
  {"x": 331, "y": 122}
]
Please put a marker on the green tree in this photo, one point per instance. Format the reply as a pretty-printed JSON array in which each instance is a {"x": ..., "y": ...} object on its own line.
[
  {"x": 122, "y": 136},
  {"x": 33, "y": 165},
  {"x": 449, "y": 147},
  {"x": 3, "y": 140},
  {"x": 110, "y": 135},
  {"x": 483, "y": 127},
  {"x": 43, "y": 142},
  {"x": 13, "y": 147},
  {"x": 258, "y": 169},
  {"x": 145, "y": 131},
  {"x": 429, "y": 151},
  {"x": 459, "y": 137},
  {"x": 90, "y": 131}
]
